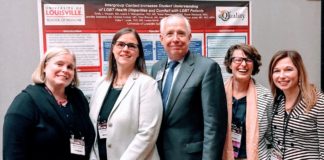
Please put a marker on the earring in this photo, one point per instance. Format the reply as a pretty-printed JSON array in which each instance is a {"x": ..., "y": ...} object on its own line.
[{"x": 73, "y": 83}]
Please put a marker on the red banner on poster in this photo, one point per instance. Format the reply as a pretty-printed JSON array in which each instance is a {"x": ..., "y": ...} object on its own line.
[{"x": 87, "y": 27}]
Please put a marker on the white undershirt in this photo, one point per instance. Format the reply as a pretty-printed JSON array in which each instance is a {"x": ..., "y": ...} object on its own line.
[{"x": 175, "y": 73}]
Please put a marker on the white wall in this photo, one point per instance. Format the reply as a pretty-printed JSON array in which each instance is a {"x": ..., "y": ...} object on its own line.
[
  {"x": 276, "y": 24},
  {"x": 19, "y": 51},
  {"x": 288, "y": 24}
]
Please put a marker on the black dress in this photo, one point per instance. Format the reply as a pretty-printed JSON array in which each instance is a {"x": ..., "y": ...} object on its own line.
[{"x": 239, "y": 120}]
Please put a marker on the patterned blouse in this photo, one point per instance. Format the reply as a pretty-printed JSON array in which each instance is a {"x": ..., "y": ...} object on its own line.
[{"x": 299, "y": 134}]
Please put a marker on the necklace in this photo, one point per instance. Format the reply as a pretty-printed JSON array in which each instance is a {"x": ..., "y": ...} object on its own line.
[
  {"x": 119, "y": 81},
  {"x": 119, "y": 85},
  {"x": 61, "y": 102}
]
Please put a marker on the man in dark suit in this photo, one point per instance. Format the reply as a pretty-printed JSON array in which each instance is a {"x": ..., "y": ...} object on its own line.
[{"x": 195, "y": 115}]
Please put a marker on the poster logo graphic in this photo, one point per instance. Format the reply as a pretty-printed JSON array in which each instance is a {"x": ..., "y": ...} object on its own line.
[
  {"x": 224, "y": 15},
  {"x": 232, "y": 16},
  {"x": 64, "y": 14}
]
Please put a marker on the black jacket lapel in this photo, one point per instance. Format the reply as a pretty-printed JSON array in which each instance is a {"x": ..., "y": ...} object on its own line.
[{"x": 46, "y": 104}]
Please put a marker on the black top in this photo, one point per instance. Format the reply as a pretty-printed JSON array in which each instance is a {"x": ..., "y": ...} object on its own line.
[
  {"x": 35, "y": 128},
  {"x": 238, "y": 118},
  {"x": 105, "y": 110}
]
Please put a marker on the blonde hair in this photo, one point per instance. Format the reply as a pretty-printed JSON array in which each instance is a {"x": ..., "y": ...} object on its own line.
[{"x": 38, "y": 77}]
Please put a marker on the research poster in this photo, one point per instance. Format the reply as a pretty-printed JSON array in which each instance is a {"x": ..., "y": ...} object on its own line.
[{"x": 87, "y": 28}]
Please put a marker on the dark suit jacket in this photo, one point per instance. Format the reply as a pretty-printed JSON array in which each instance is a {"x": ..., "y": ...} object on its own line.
[
  {"x": 35, "y": 130},
  {"x": 194, "y": 123}
]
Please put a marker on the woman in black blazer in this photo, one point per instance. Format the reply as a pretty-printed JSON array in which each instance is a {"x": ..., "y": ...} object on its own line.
[{"x": 49, "y": 120}]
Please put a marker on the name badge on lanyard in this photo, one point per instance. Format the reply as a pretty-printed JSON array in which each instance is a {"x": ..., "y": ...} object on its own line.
[
  {"x": 275, "y": 154},
  {"x": 236, "y": 139},
  {"x": 77, "y": 146},
  {"x": 102, "y": 129}
]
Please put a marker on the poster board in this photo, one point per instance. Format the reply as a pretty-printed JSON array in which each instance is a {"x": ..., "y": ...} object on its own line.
[{"x": 87, "y": 27}]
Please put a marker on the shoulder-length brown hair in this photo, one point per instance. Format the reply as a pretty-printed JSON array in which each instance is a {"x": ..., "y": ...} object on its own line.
[
  {"x": 140, "y": 61},
  {"x": 38, "y": 77},
  {"x": 308, "y": 91}
]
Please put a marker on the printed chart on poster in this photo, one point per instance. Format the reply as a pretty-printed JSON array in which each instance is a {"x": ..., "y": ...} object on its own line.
[{"x": 87, "y": 28}]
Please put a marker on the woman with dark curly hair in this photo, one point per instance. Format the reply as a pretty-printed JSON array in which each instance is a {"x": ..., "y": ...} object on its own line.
[{"x": 247, "y": 105}]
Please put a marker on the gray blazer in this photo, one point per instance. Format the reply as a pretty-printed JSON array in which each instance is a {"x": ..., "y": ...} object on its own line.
[{"x": 195, "y": 121}]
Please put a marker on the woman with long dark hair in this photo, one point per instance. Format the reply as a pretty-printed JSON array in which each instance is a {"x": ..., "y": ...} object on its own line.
[{"x": 126, "y": 106}]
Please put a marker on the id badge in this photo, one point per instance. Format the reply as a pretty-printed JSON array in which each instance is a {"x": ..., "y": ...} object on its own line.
[
  {"x": 236, "y": 139},
  {"x": 77, "y": 146},
  {"x": 103, "y": 130},
  {"x": 275, "y": 154},
  {"x": 159, "y": 75}
]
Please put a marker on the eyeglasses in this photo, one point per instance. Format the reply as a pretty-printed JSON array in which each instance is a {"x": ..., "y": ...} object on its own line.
[
  {"x": 239, "y": 60},
  {"x": 130, "y": 46}
]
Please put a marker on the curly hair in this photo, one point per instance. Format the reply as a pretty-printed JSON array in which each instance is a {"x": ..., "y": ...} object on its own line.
[{"x": 250, "y": 51}]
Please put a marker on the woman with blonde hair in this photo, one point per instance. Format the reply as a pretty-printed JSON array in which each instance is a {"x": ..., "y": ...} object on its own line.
[{"x": 50, "y": 119}]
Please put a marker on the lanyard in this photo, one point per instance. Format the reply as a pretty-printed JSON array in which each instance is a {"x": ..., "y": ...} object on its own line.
[
  {"x": 275, "y": 111},
  {"x": 69, "y": 123},
  {"x": 61, "y": 103},
  {"x": 285, "y": 126},
  {"x": 285, "y": 122}
]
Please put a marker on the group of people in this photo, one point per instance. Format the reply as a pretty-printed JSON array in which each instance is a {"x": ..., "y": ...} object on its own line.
[{"x": 181, "y": 110}]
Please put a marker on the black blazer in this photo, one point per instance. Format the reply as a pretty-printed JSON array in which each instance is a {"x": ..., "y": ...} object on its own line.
[
  {"x": 194, "y": 124},
  {"x": 34, "y": 128}
]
